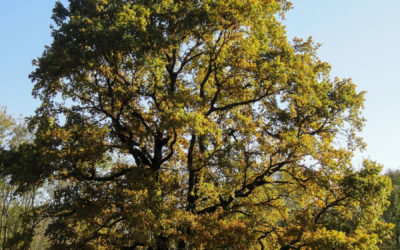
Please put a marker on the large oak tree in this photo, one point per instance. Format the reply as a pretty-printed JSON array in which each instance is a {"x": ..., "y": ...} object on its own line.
[{"x": 197, "y": 124}]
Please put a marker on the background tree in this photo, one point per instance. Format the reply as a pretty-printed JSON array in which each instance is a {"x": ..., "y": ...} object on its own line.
[
  {"x": 392, "y": 214},
  {"x": 17, "y": 205},
  {"x": 197, "y": 124}
]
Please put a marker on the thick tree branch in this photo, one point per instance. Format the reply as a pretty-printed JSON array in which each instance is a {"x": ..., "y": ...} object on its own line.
[
  {"x": 328, "y": 206},
  {"x": 191, "y": 196},
  {"x": 247, "y": 189}
]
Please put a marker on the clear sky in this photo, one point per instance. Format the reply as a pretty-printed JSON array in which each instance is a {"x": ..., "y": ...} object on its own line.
[
  {"x": 24, "y": 31},
  {"x": 360, "y": 39}
]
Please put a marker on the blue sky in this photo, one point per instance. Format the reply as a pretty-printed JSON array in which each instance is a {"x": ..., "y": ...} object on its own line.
[
  {"x": 360, "y": 39},
  {"x": 24, "y": 31}
]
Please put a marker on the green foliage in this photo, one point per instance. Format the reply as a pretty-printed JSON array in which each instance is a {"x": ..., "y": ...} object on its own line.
[
  {"x": 196, "y": 124},
  {"x": 17, "y": 218},
  {"x": 392, "y": 214}
]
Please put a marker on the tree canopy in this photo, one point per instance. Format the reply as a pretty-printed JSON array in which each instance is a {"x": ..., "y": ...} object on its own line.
[{"x": 197, "y": 124}]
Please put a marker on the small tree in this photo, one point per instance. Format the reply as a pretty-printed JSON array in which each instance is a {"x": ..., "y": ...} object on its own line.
[{"x": 197, "y": 124}]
